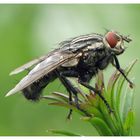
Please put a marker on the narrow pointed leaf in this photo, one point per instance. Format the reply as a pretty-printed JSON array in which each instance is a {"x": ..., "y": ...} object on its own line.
[
  {"x": 59, "y": 103},
  {"x": 50, "y": 97},
  {"x": 101, "y": 126},
  {"x": 128, "y": 104},
  {"x": 129, "y": 122},
  {"x": 120, "y": 85},
  {"x": 110, "y": 119},
  {"x": 91, "y": 110},
  {"x": 61, "y": 95},
  {"x": 62, "y": 132},
  {"x": 93, "y": 100},
  {"x": 112, "y": 80},
  {"x": 110, "y": 89}
]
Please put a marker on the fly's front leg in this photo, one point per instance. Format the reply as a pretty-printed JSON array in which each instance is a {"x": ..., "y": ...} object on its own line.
[
  {"x": 117, "y": 65},
  {"x": 85, "y": 84}
]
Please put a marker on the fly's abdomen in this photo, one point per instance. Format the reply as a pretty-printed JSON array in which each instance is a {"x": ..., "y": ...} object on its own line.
[{"x": 33, "y": 91}]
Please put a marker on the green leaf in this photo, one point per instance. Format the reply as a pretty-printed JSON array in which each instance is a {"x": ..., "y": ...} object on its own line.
[
  {"x": 50, "y": 97},
  {"x": 128, "y": 104},
  {"x": 59, "y": 103},
  {"x": 111, "y": 87},
  {"x": 121, "y": 81},
  {"x": 118, "y": 97},
  {"x": 61, "y": 96},
  {"x": 112, "y": 80},
  {"x": 62, "y": 132},
  {"x": 93, "y": 99},
  {"x": 110, "y": 119},
  {"x": 129, "y": 122},
  {"x": 101, "y": 126},
  {"x": 91, "y": 110},
  {"x": 56, "y": 96},
  {"x": 94, "y": 109}
]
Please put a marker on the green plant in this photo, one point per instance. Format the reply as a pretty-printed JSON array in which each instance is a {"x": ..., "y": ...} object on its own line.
[{"x": 118, "y": 123}]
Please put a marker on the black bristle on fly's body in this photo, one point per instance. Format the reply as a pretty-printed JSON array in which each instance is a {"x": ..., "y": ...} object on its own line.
[{"x": 33, "y": 91}]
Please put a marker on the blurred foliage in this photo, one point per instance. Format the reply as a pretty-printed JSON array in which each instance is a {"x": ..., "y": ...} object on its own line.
[
  {"x": 28, "y": 31},
  {"x": 116, "y": 120}
]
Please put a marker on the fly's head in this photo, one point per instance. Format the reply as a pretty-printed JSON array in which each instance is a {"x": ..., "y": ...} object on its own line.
[{"x": 115, "y": 42}]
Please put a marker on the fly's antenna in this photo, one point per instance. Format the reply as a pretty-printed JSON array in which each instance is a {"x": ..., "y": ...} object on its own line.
[
  {"x": 106, "y": 30},
  {"x": 126, "y": 38}
]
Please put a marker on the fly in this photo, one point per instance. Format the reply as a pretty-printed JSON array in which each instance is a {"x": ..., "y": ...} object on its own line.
[{"x": 80, "y": 57}]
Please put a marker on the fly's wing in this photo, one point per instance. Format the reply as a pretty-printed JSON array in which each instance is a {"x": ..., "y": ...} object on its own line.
[
  {"x": 68, "y": 51},
  {"x": 28, "y": 65},
  {"x": 43, "y": 68},
  {"x": 73, "y": 44}
]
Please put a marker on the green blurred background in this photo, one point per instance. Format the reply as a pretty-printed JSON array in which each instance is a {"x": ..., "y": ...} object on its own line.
[{"x": 29, "y": 31}]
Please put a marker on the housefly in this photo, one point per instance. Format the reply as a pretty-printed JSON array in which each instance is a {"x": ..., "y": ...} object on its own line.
[{"x": 80, "y": 57}]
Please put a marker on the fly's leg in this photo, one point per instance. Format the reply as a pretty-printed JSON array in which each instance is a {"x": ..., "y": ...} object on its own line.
[
  {"x": 117, "y": 65},
  {"x": 70, "y": 88},
  {"x": 75, "y": 92},
  {"x": 85, "y": 84},
  {"x": 69, "y": 91},
  {"x": 68, "y": 84}
]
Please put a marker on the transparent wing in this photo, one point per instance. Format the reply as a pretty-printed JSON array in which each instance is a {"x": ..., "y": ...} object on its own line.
[
  {"x": 72, "y": 44},
  {"x": 43, "y": 68},
  {"x": 28, "y": 65},
  {"x": 60, "y": 56}
]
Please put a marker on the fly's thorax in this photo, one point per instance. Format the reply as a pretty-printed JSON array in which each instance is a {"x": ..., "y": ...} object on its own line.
[{"x": 90, "y": 58}]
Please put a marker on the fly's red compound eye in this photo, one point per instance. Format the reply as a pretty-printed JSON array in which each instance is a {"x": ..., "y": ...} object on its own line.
[{"x": 112, "y": 39}]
